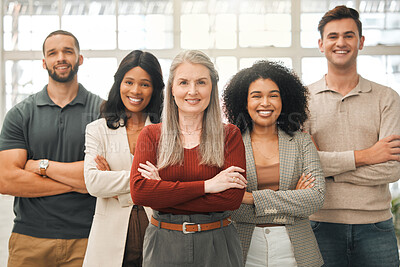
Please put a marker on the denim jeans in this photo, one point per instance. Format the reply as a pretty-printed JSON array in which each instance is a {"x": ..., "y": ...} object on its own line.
[{"x": 363, "y": 245}]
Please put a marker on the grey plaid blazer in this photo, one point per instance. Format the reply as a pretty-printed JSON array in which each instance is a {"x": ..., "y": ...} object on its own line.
[{"x": 286, "y": 206}]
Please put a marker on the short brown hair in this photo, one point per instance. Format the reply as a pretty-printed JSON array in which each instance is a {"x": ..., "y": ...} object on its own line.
[
  {"x": 340, "y": 12},
  {"x": 62, "y": 32}
]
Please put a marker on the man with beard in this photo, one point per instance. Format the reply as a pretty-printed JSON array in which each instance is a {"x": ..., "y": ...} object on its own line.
[
  {"x": 41, "y": 163},
  {"x": 356, "y": 125}
]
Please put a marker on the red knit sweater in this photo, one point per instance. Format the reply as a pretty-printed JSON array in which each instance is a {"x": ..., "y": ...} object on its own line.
[{"x": 181, "y": 188}]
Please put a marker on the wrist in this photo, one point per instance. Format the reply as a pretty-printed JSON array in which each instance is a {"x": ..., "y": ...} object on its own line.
[
  {"x": 360, "y": 157},
  {"x": 206, "y": 187}
]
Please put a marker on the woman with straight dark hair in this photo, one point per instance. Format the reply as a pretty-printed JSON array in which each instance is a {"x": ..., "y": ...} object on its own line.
[
  {"x": 135, "y": 100},
  {"x": 199, "y": 176},
  {"x": 268, "y": 103}
]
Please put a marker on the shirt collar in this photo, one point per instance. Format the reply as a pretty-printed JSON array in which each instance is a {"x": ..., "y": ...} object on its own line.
[
  {"x": 361, "y": 87},
  {"x": 43, "y": 98}
]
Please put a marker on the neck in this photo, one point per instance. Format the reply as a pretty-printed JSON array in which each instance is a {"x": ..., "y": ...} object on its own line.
[
  {"x": 62, "y": 93},
  {"x": 191, "y": 123},
  {"x": 136, "y": 121},
  {"x": 269, "y": 133},
  {"x": 342, "y": 80}
]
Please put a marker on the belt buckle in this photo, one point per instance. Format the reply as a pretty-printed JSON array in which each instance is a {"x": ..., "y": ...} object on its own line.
[{"x": 190, "y": 232}]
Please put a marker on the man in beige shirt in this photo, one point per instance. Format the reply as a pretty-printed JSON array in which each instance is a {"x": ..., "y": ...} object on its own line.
[{"x": 356, "y": 125}]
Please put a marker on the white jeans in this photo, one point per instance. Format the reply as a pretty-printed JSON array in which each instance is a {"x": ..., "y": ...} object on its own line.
[{"x": 270, "y": 246}]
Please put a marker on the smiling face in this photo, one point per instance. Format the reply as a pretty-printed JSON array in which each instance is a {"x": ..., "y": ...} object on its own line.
[
  {"x": 191, "y": 89},
  {"x": 264, "y": 103},
  {"x": 61, "y": 58},
  {"x": 136, "y": 90},
  {"x": 340, "y": 43}
]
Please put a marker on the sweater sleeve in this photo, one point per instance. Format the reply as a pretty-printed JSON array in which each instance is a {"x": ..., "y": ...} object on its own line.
[
  {"x": 382, "y": 173},
  {"x": 158, "y": 194},
  {"x": 229, "y": 199}
]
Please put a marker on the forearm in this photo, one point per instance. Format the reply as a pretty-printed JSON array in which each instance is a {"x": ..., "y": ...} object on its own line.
[
  {"x": 159, "y": 194},
  {"x": 227, "y": 200},
  {"x": 371, "y": 175},
  {"x": 107, "y": 183},
  {"x": 334, "y": 163},
  {"x": 21, "y": 183},
  {"x": 297, "y": 203},
  {"x": 67, "y": 173}
]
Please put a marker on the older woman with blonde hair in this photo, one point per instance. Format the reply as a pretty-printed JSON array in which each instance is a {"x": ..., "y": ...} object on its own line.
[{"x": 190, "y": 170}]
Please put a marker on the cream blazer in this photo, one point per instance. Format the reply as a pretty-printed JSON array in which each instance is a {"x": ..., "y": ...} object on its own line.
[{"x": 106, "y": 244}]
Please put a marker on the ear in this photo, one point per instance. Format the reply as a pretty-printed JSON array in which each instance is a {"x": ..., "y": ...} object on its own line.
[
  {"x": 361, "y": 45},
  {"x": 321, "y": 45},
  {"x": 80, "y": 60},
  {"x": 44, "y": 64}
]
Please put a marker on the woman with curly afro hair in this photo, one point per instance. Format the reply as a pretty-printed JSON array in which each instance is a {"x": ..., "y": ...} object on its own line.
[{"x": 268, "y": 103}]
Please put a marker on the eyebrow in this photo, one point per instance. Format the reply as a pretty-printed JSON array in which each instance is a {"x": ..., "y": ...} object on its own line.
[
  {"x": 130, "y": 78},
  {"x": 336, "y": 33},
  {"x": 64, "y": 48},
  {"x": 259, "y": 92}
]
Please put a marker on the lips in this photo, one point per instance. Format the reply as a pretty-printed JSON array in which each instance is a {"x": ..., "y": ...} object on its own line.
[
  {"x": 192, "y": 101},
  {"x": 135, "y": 100},
  {"x": 62, "y": 68}
]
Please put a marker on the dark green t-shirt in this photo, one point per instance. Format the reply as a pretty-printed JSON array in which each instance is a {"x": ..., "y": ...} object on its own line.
[{"x": 48, "y": 131}]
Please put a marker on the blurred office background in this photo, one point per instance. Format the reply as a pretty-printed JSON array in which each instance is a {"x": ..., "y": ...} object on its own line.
[{"x": 234, "y": 33}]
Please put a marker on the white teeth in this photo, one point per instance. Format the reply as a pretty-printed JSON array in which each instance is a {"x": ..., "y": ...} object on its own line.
[
  {"x": 135, "y": 99},
  {"x": 192, "y": 101},
  {"x": 341, "y": 52},
  {"x": 265, "y": 112}
]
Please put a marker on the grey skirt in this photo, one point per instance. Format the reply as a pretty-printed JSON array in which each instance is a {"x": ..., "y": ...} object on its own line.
[{"x": 167, "y": 248}]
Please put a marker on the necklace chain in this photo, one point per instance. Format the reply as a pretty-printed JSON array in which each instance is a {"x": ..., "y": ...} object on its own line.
[
  {"x": 191, "y": 132},
  {"x": 262, "y": 154}
]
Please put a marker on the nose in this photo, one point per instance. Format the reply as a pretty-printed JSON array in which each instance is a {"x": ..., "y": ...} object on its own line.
[
  {"x": 341, "y": 41},
  {"x": 192, "y": 89},
  {"x": 60, "y": 57},
  {"x": 135, "y": 89},
  {"x": 264, "y": 101}
]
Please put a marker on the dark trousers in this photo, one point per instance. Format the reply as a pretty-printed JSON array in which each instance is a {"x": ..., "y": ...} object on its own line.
[
  {"x": 357, "y": 245},
  {"x": 138, "y": 223}
]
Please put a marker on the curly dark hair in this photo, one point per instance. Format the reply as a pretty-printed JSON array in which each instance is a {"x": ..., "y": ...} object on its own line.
[
  {"x": 293, "y": 93},
  {"x": 113, "y": 110}
]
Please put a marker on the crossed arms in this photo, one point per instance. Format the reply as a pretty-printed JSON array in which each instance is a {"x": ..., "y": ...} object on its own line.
[{"x": 20, "y": 177}]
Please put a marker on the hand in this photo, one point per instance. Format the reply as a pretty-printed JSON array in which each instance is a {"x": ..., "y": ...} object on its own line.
[
  {"x": 226, "y": 179},
  {"x": 149, "y": 171},
  {"x": 384, "y": 150},
  {"x": 102, "y": 164},
  {"x": 32, "y": 166},
  {"x": 248, "y": 198},
  {"x": 305, "y": 182}
]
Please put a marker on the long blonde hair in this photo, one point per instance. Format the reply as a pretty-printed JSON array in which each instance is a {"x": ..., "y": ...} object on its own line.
[{"x": 170, "y": 149}]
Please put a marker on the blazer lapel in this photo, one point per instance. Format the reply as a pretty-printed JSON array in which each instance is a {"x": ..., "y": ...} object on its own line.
[
  {"x": 251, "y": 173},
  {"x": 287, "y": 150}
]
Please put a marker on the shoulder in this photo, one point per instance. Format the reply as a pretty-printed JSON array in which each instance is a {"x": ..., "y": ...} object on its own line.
[
  {"x": 300, "y": 138},
  {"x": 23, "y": 108},
  {"x": 92, "y": 99},
  {"x": 151, "y": 131},
  {"x": 232, "y": 134},
  {"x": 316, "y": 86},
  {"x": 97, "y": 125},
  {"x": 383, "y": 90},
  {"x": 231, "y": 130}
]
